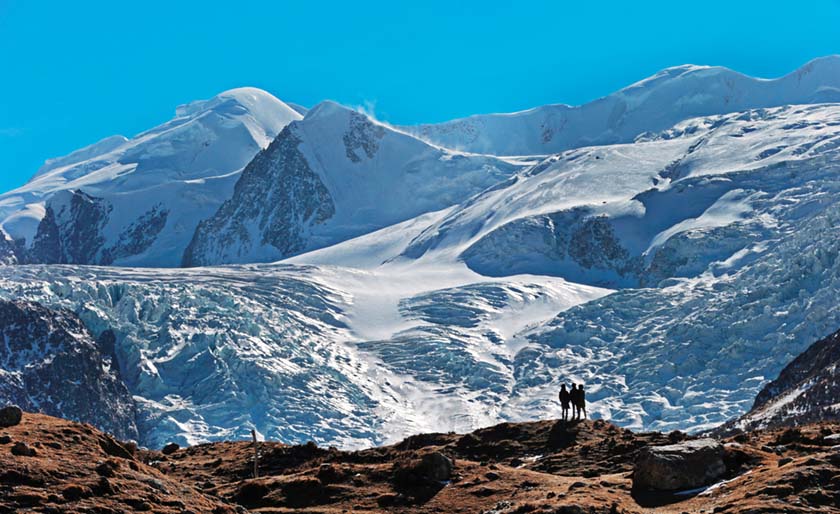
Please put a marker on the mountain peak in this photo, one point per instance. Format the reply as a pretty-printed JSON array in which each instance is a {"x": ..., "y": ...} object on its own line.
[
  {"x": 237, "y": 101},
  {"x": 329, "y": 109},
  {"x": 822, "y": 69}
]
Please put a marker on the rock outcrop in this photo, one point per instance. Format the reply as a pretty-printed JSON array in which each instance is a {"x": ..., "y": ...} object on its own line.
[
  {"x": 8, "y": 250},
  {"x": 806, "y": 391},
  {"x": 51, "y": 363}
]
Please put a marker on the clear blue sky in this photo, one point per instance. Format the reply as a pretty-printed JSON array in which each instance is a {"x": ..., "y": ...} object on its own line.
[{"x": 75, "y": 72}]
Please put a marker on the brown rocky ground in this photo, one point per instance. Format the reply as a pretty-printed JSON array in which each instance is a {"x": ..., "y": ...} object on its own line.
[
  {"x": 539, "y": 467},
  {"x": 70, "y": 467}
]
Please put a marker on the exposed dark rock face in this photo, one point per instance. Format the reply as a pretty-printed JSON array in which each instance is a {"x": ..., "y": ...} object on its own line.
[
  {"x": 8, "y": 250},
  {"x": 72, "y": 232},
  {"x": 137, "y": 237},
  {"x": 363, "y": 135},
  {"x": 50, "y": 363},
  {"x": 275, "y": 200},
  {"x": 807, "y": 390}
]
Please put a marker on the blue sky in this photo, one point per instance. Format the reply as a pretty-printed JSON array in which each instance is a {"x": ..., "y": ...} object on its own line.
[{"x": 75, "y": 72}]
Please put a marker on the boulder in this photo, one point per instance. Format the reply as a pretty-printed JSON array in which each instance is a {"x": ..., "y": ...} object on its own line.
[
  {"x": 686, "y": 465},
  {"x": 22, "y": 449},
  {"x": 437, "y": 466},
  {"x": 10, "y": 416},
  {"x": 170, "y": 448}
]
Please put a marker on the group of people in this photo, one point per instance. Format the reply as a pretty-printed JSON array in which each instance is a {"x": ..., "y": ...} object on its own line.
[{"x": 576, "y": 398}]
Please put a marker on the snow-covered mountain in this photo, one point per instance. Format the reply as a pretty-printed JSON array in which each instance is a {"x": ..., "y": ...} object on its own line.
[
  {"x": 335, "y": 175},
  {"x": 651, "y": 105},
  {"x": 433, "y": 290},
  {"x": 137, "y": 201},
  {"x": 50, "y": 363},
  {"x": 730, "y": 221}
]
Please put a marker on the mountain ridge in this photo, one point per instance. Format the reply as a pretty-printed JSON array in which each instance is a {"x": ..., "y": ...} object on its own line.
[{"x": 622, "y": 116}]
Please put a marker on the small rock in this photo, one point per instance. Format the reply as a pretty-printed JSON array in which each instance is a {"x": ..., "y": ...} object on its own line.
[
  {"x": 491, "y": 475},
  {"x": 10, "y": 416},
  {"x": 107, "y": 469},
  {"x": 790, "y": 435},
  {"x": 785, "y": 460},
  {"x": 5, "y": 439},
  {"x": 331, "y": 474},
  {"x": 75, "y": 492},
  {"x": 23, "y": 450},
  {"x": 484, "y": 492},
  {"x": 251, "y": 493},
  {"x": 303, "y": 492},
  {"x": 170, "y": 448},
  {"x": 387, "y": 500},
  {"x": 103, "y": 488}
]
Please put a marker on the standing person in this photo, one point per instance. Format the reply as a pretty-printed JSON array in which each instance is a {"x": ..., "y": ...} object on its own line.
[
  {"x": 582, "y": 400},
  {"x": 565, "y": 399},
  {"x": 573, "y": 396}
]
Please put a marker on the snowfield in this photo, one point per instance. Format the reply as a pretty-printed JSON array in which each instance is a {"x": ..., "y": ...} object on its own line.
[{"x": 675, "y": 268}]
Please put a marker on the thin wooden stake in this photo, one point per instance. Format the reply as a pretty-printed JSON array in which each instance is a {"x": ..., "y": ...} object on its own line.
[{"x": 256, "y": 454}]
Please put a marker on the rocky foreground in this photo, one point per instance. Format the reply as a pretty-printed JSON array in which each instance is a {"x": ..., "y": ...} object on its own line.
[{"x": 53, "y": 465}]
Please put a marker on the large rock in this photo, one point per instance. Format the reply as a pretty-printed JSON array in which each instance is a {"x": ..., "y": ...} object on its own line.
[
  {"x": 685, "y": 465},
  {"x": 10, "y": 416},
  {"x": 437, "y": 466}
]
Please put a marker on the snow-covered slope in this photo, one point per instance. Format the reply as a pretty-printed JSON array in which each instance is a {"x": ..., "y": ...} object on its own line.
[
  {"x": 137, "y": 201},
  {"x": 335, "y": 175},
  {"x": 650, "y": 105},
  {"x": 668, "y": 206},
  {"x": 50, "y": 363}
]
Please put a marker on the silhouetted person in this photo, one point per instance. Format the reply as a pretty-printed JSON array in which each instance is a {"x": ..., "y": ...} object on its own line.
[
  {"x": 582, "y": 401},
  {"x": 565, "y": 400},
  {"x": 573, "y": 396}
]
